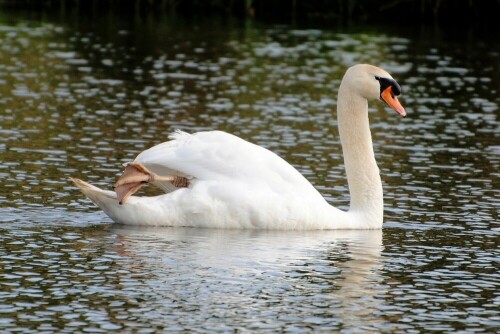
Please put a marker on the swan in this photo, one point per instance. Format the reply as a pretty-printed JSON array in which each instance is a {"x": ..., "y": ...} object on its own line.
[{"x": 218, "y": 180}]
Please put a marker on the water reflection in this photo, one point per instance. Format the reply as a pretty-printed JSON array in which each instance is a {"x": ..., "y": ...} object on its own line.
[
  {"x": 248, "y": 275},
  {"x": 102, "y": 279}
]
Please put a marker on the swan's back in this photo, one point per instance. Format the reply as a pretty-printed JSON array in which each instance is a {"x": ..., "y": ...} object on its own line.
[{"x": 220, "y": 156}]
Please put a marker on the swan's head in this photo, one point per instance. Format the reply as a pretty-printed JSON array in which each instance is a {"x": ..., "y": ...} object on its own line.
[{"x": 372, "y": 83}]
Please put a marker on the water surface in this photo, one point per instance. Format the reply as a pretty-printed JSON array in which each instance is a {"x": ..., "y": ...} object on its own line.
[{"x": 79, "y": 98}]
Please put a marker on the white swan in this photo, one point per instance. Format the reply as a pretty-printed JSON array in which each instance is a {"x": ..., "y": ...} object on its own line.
[{"x": 215, "y": 179}]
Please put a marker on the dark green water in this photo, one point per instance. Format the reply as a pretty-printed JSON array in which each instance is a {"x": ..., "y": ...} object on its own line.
[{"x": 79, "y": 97}]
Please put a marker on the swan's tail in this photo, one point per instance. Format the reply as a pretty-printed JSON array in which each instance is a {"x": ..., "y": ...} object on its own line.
[
  {"x": 97, "y": 195},
  {"x": 137, "y": 210},
  {"x": 104, "y": 199}
]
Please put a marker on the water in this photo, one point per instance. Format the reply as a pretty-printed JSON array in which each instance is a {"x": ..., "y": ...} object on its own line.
[{"x": 80, "y": 97}]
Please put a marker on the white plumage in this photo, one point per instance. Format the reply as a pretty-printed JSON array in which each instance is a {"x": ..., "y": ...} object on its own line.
[{"x": 236, "y": 184}]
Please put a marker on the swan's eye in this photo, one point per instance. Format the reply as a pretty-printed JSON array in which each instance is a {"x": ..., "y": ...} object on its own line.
[{"x": 387, "y": 82}]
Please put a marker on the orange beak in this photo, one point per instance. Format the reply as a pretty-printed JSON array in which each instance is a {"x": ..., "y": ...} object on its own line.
[{"x": 393, "y": 102}]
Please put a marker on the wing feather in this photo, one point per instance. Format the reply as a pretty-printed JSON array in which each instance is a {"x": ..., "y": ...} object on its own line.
[{"x": 219, "y": 156}]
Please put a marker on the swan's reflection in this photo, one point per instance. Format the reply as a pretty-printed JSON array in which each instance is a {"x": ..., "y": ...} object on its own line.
[{"x": 330, "y": 274}]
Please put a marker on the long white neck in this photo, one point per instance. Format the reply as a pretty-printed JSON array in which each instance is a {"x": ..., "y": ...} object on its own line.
[{"x": 365, "y": 185}]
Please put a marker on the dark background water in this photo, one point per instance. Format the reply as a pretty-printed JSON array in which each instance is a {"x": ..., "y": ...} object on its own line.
[{"x": 80, "y": 95}]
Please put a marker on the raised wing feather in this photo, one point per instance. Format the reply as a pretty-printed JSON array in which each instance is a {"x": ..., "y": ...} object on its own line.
[{"x": 219, "y": 156}]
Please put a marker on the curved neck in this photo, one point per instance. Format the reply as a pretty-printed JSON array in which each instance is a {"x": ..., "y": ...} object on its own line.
[{"x": 365, "y": 185}]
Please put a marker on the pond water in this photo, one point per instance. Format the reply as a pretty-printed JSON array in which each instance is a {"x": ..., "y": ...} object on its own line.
[{"x": 79, "y": 97}]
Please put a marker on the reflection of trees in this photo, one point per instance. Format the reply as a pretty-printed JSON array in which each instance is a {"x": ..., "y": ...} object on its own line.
[
  {"x": 333, "y": 10},
  {"x": 30, "y": 108}
]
